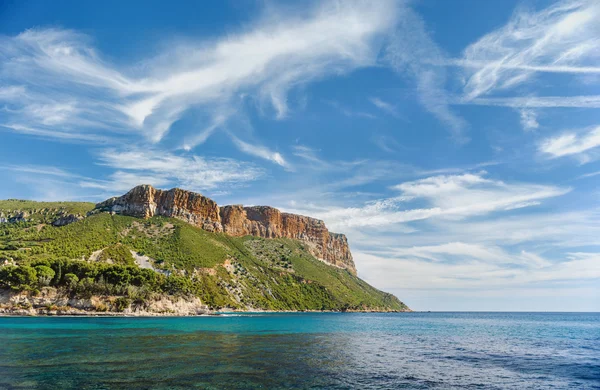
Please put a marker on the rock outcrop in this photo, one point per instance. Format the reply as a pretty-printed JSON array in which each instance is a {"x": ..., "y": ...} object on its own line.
[
  {"x": 146, "y": 201},
  {"x": 20, "y": 216},
  {"x": 64, "y": 220},
  {"x": 51, "y": 301},
  {"x": 262, "y": 221}
]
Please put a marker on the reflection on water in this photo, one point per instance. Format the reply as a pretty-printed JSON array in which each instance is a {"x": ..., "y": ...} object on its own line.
[{"x": 363, "y": 351}]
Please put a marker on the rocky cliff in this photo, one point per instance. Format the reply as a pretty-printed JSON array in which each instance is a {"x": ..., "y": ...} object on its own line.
[{"x": 263, "y": 221}]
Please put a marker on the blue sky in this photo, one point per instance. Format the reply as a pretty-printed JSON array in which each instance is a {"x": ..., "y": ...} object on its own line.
[{"x": 456, "y": 144}]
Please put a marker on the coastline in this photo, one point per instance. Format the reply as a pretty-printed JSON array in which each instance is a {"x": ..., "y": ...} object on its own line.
[
  {"x": 52, "y": 302},
  {"x": 40, "y": 312},
  {"x": 74, "y": 312}
]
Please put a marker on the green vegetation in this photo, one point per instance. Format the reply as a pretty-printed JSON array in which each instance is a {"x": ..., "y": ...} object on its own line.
[
  {"x": 40, "y": 207},
  {"x": 41, "y": 212},
  {"x": 118, "y": 254},
  {"x": 93, "y": 257}
]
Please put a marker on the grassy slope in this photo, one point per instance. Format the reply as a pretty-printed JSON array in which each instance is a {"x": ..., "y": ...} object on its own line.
[
  {"x": 30, "y": 205},
  {"x": 262, "y": 274}
]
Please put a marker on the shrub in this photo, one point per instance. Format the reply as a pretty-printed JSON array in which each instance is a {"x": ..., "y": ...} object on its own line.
[
  {"x": 71, "y": 281},
  {"x": 86, "y": 287},
  {"x": 122, "y": 303},
  {"x": 100, "y": 307},
  {"x": 118, "y": 253}
]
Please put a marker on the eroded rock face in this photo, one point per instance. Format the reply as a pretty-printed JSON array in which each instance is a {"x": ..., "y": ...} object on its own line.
[
  {"x": 146, "y": 201},
  {"x": 64, "y": 220},
  {"x": 261, "y": 221}
]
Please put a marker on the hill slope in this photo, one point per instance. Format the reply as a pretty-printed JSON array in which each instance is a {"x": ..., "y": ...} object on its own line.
[{"x": 115, "y": 263}]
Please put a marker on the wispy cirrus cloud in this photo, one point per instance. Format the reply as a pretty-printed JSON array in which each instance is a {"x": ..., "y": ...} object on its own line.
[
  {"x": 260, "y": 151},
  {"x": 582, "y": 144},
  {"x": 150, "y": 166},
  {"x": 452, "y": 252},
  {"x": 310, "y": 155},
  {"x": 349, "y": 112},
  {"x": 521, "y": 102},
  {"x": 385, "y": 106},
  {"x": 71, "y": 89},
  {"x": 450, "y": 197},
  {"x": 534, "y": 68},
  {"x": 40, "y": 170},
  {"x": 473, "y": 194},
  {"x": 412, "y": 52},
  {"x": 134, "y": 166},
  {"x": 522, "y": 269},
  {"x": 562, "y": 37},
  {"x": 52, "y": 134}
]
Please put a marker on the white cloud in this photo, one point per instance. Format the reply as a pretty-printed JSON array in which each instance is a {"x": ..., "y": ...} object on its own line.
[
  {"x": 39, "y": 54},
  {"x": 56, "y": 134},
  {"x": 591, "y": 174},
  {"x": 11, "y": 92},
  {"x": 384, "y": 106},
  {"x": 386, "y": 143},
  {"x": 528, "y": 119},
  {"x": 472, "y": 194},
  {"x": 447, "y": 196},
  {"x": 572, "y": 144},
  {"x": 40, "y": 170},
  {"x": 452, "y": 252},
  {"x": 413, "y": 52},
  {"x": 52, "y": 114},
  {"x": 590, "y": 101},
  {"x": 147, "y": 166},
  {"x": 120, "y": 182},
  {"x": 562, "y": 37},
  {"x": 414, "y": 273},
  {"x": 201, "y": 137},
  {"x": 310, "y": 155},
  {"x": 453, "y": 249},
  {"x": 535, "y": 68},
  {"x": 348, "y": 112},
  {"x": 259, "y": 151},
  {"x": 266, "y": 60},
  {"x": 550, "y": 229}
]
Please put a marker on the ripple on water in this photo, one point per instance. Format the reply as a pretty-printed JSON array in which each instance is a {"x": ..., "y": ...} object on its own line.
[{"x": 337, "y": 351}]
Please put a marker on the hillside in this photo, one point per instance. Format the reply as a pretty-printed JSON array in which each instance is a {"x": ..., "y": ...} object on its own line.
[{"x": 161, "y": 265}]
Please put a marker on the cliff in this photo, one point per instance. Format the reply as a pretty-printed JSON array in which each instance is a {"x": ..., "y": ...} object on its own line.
[{"x": 262, "y": 221}]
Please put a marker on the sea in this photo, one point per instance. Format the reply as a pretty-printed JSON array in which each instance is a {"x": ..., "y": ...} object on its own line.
[{"x": 303, "y": 351}]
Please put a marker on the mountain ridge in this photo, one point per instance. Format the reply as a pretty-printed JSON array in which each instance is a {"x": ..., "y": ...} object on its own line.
[{"x": 145, "y": 201}]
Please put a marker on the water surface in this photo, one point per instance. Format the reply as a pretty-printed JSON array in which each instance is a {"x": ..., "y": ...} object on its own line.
[{"x": 321, "y": 350}]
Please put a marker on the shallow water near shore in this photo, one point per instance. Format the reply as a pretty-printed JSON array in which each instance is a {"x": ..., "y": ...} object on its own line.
[{"x": 308, "y": 350}]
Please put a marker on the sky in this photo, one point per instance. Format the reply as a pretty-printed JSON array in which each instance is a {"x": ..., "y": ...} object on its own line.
[{"x": 455, "y": 143}]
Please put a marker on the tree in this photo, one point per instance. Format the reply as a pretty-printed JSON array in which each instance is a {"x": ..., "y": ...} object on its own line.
[
  {"x": 18, "y": 278},
  {"x": 58, "y": 276},
  {"x": 178, "y": 285},
  {"x": 45, "y": 274},
  {"x": 71, "y": 281}
]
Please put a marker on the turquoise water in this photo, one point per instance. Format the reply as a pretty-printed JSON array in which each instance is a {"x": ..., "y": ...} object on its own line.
[{"x": 333, "y": 351}]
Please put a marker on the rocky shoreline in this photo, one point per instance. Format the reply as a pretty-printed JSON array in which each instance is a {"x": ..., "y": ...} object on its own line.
[
  {"x": 81, "y": 313},
  {"x": 52, "y": 302}
]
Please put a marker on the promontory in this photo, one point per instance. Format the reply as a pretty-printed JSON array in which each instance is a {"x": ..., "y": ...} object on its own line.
[{"x": 173, "y": 252}]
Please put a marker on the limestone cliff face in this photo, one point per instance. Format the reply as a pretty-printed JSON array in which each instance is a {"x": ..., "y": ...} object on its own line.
[
  {"x": 262, "y": 221},
  {"x": 146, "y": 201}
]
